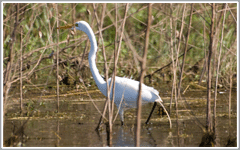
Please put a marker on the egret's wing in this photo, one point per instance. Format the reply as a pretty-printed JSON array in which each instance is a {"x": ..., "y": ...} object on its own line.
[
  {"x": 135, "y": 85},
  {"x": 150, "y": 89}
]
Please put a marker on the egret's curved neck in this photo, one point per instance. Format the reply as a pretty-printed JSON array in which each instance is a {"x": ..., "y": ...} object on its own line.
[{"x": 92, "y": 57}]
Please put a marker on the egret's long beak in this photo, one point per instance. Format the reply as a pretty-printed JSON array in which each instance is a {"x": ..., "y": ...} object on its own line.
[{"x": 68, "y": 26}]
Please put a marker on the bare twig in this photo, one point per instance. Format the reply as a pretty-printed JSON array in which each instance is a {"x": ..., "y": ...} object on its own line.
[
  {"x": 202, "y": 16},
  {"x": 165, "y": 66},
  {"x": 232, "y": 13}
]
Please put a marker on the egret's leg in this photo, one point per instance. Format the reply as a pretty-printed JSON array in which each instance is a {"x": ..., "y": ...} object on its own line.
[
  {"x": 122, "y": 123},
  {"x": 99, "y": 123},
  {"x": 121, "y": 113},
  {"x": 154, "y": 105}
]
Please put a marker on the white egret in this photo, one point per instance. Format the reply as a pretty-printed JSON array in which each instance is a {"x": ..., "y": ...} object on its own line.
[{"x": 124, "y": 87}]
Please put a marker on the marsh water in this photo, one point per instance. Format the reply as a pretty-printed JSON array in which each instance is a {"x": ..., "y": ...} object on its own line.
[{"x": 74, "y": 125}]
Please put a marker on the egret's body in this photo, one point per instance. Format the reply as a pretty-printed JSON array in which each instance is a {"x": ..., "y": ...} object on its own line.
[{"x": 125, "y": 89}]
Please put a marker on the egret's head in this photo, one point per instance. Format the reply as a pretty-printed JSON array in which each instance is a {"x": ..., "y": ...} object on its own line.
[{"x": 81, "y": 25}]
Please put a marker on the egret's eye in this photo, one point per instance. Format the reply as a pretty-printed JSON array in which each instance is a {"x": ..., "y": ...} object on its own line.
[{"x": 76, "y": 25}]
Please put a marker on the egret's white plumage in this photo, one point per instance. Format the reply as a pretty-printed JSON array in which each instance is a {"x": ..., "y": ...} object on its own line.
[{"x": 124, "y": 87}]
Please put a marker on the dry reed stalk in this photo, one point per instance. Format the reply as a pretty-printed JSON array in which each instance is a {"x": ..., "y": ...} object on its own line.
[
  {"x": 57, "y": 18},
  {"x": 173, "y": 62},
  {"x": 99, "y": 24},
  {"x": 205, "y": 55},
  {"x": 115, "y": 57},
  {"x": 185, "y": 50},
  {"x": 118, "y": 48},
  {"x": 21, "y": 63},
  {"x": 73, "y": 13},
  {"x": 115, "y": 63},
  {"x": 217, "y": 72},
  {"x": 174, "y": 69},
  {"x": 178, "y": 48},
  {"x": 108, "y": 102},
  {"x": 209, "y": 79},
  {"x": 230, "y": 93},
  {"x": 143, "y": 70},
  {"x": 180, "y": 34},
  {"x": 7, "y": 76},
  {"x": 116, "y": 60},
  {"x": 110, "y": 113},
  {"x": 216, "y": 39}
]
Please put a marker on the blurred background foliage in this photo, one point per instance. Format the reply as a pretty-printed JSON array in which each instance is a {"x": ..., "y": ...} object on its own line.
[{"x": 39, "y": 37}]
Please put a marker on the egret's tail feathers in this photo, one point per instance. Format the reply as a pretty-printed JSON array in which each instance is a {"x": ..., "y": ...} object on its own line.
[{"x": 158, "y": 100}]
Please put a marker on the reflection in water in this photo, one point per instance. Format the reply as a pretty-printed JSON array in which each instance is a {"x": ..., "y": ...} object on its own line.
[
  {"x": 124, "y": 138},
  {"x": 18, "y": 137},
  {"x": 75, "y": 127}
]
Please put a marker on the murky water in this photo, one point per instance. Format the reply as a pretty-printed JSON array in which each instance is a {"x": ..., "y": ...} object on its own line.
[{"x": 74, "y": 125}]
